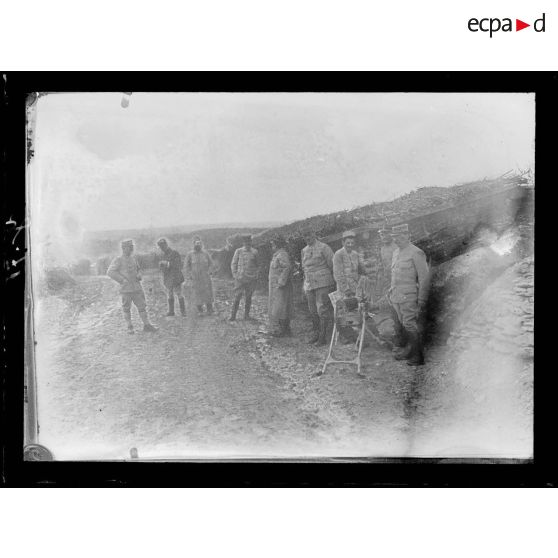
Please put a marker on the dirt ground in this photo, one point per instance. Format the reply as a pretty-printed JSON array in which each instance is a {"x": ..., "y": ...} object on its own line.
[{"x": 206, "y": 387}]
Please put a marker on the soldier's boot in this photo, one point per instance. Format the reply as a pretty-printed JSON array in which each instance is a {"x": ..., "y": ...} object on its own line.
[
  {"x": 404, "y": 352},
  {"x": 147, "y": 326},
  {"x": 286, "y": 328},
  {"x": 315, "y": 330},
  {"x": 234, "y": 310},
  {"x": 200, "y": 309},
  {"x": 209, "y": 307},
  {"x": 400, "y": 337},
  {"x": 182, "y": 304},
  {"x": 171, "y": 306},
  {"x": 416, "y": 356},
  {"x": 322, "y": 337}
]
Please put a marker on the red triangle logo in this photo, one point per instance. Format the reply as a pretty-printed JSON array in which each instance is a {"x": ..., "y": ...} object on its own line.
[{"x": 519, "y": 25}]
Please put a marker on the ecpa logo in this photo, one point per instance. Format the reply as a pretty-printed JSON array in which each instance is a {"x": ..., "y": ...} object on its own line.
[{"x": 494, "y": 24}]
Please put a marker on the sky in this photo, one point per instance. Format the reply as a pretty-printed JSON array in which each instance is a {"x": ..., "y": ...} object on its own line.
[{"x": 199, "y": 158}]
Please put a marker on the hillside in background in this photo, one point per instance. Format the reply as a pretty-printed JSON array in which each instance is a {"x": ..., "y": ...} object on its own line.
[{"x": 98, "y": 244}]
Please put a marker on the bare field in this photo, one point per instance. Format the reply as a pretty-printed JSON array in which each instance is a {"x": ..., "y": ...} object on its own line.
[{"x": 205, "y": 387}]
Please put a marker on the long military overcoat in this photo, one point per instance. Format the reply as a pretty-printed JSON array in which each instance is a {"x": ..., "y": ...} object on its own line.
[
  {"x": 280, "y": 298},
  {"x": 198, "y": 266}
]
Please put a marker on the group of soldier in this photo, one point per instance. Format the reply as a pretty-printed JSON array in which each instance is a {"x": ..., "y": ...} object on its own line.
[{"x": 404, "y": 284}]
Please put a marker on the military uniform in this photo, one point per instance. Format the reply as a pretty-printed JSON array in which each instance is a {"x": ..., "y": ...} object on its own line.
[
  {"x": 280, "y": 298},
  {"x": 198, "y": 267},
  {"x": 408, "y": 296},
  {"x": 409, "y": 285},
  {"x": 244, "y": 267},
  {"x": 173, "y": 278},
  {"x": 317, "y": 264},
  {"x": 347, "y": 269},
  {"x": 125, "y": 271},
  {"x": 386, "y": 256}
]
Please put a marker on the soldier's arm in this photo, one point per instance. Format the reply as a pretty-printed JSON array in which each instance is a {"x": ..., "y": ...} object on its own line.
[
  {"x": 285, "y": 263},
  {"x": 234, "y": 263},
  {"x": 114, "y": 271},
  {"x": 419, "y": 259},
  {"x": 328, "y": 255}
]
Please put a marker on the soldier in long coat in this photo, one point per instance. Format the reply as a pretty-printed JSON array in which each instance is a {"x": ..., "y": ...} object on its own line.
[
  {"x": 409, "y": 292},
  {"x": 198, "y": 268},
  {"x": 173, "y": 278},
  {"x": 125, "y": 270},
  {"x": 280, "y": 299}
]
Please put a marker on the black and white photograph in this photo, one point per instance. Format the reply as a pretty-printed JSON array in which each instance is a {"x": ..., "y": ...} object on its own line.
[{"x": 279, "y": 276}]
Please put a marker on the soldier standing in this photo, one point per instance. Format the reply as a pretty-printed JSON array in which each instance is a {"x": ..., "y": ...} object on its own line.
[
  {"x": 387, "y": 251},
  {"x": 244, "y": 267},
  {"x": 125, "y": 271},
  {"x": 409, "y": 292},
  {"x": 348, "y": 268},
  {"x": 198, "y": 267},
  {"x": 280, "y": 300},
  {"x": 317, "y": 265},
  {"x": 171, "y": 266}
]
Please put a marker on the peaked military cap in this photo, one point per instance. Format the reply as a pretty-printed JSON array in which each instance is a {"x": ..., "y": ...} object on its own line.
[
  {"x": 349, "y": 234},
  {"x": 127, "y": 242},
  {"x": 400, "y": 229}
]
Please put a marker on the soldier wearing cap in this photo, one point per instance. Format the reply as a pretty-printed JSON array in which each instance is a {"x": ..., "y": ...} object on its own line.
[
  {"x": 348, "y": 265},
  {"x": 199, "y": 266},
  {"x": 348, "y": 268},
  {"x": 171, "y": 266},
  {"x": 409, "y": 292},
  {"x": 317, "y": 265},
  {"x": 245, "y": 270},
  {"x": 125, "y": 271},
  {"x": 280, "y": 298}
]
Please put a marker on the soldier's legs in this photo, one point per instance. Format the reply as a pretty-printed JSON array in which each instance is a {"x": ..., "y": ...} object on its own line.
[
  {"x": 170, "y": 297},
  {"x": 138, "y": 299},
  {"x": 249, "y": 291},
  {"x": 409, "y": 318},
  {"x": 324, "y": 309},
  {"x": 238, "y": 291},
  {"x": 404, "y": 351},
  {"x": 313, "y": 309},
  {"x": 126, "y": 309},
  {"x": 181, "y": 301},
  {"x": 400, "y": 338}
]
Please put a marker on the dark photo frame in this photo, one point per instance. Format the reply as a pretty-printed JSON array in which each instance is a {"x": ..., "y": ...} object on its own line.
[{"x": 33, "y": 466}]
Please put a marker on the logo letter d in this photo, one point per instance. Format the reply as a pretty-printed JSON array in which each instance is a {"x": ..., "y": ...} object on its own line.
[{"x": 535, "y": 25}]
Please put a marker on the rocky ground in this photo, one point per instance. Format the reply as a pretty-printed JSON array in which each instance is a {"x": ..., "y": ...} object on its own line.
[{"x": 206, "y": 387}]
